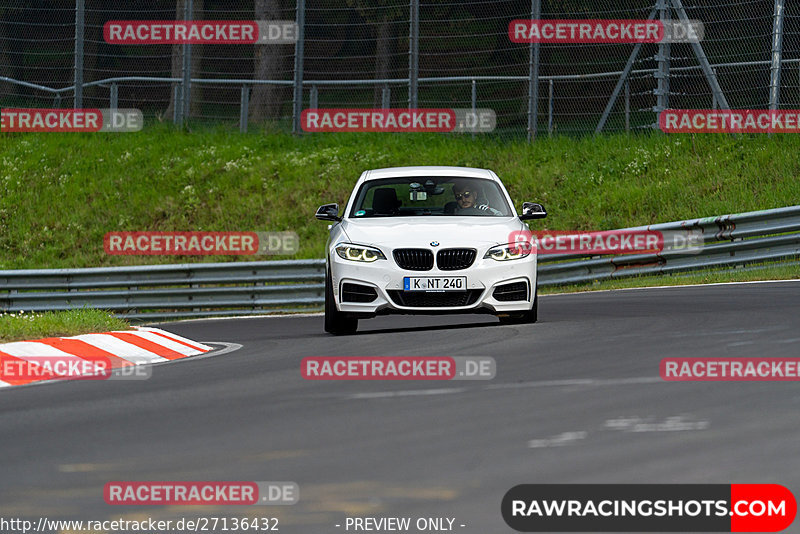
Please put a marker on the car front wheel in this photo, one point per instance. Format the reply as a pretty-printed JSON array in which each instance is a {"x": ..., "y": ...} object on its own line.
[
  {"x": 336, "y": 322},
  {"x": 527, "y": 317}
]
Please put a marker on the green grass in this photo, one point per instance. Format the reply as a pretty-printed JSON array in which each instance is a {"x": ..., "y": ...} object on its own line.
[
  {"x": 60, "y": 193},
  {"x": 22, "y": 326}
]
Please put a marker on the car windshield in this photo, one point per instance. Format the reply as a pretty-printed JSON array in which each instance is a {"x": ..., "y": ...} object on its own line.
[{"x": 440, "y": 196}]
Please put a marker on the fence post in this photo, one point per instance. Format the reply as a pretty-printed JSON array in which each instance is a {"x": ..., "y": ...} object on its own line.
[
  {"x": 777, "y": 55},
  {"x": 413, "y": 54},
  {"x": 386, "y": 97},
  {"x": 627, "y": 105},
  {"x": 177, "y": 110},
  {"x": 297, "y": 100},
  {"x": 664, "y": 53},
  {"x": 187, "y": 69},
  {"x": 79, "y": 22},
  {"x": 533, "y": 76},
  {"x": 474, "y": 103},
  {"x": 244, "y": 105},
  {"x": 714, "y": 103},
  {"x": 313, "y": 98},
  {"x": 113, "y": 98},
  {"x": 550, "y": 110}
]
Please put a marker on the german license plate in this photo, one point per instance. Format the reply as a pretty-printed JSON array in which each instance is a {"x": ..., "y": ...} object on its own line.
[{"x": 435, "y": 283}]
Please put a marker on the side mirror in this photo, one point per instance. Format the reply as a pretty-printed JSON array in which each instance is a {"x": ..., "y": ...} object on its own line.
[
  {"x": 328, "y": 212},
  {"x": 532, "y": 210}
]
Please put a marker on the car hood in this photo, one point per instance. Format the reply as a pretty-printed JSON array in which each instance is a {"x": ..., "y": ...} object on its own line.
[{"x": 395, "y": 232}]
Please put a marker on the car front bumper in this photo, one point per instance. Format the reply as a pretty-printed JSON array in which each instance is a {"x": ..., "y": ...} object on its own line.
[{"x": 385, "y": 277}]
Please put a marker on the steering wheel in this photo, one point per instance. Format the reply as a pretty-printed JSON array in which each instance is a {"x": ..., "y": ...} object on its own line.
[{"x": 473, "y": 210}]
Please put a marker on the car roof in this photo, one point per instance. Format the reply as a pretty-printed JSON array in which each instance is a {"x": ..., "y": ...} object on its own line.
[{"x": 392, "y": 172}]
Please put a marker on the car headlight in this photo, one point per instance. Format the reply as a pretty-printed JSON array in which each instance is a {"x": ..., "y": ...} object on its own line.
[
  {"x": 359, "y": 253},
  {"x": 512, "y": 251}
]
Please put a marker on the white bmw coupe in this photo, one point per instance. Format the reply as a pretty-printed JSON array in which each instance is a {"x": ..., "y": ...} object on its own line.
[{"x": 428, "y": 240}]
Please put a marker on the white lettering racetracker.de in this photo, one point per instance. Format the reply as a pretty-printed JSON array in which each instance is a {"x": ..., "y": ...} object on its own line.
[
  {"x": 50, "y": 119},
  {"x": 376, "y": 368},
  {"x": 401, "y": 524},
  {"x": 378, "y": 120},
  {"x": 178, "y": 492},
  {"x": 585, "y": 31},
  {"x": 133, "y": 32}
]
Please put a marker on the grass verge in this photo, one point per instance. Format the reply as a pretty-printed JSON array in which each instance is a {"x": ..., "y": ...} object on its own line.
[
  {"x": 23, "y": 326},
  {"x": 61, "y": 193}
]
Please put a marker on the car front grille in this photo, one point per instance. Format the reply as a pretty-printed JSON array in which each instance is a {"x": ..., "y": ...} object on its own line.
[
  {"x": 511, "y": 292},
  {"x": 428, "y": 299},
  {"x": 358, "y": 293},
  {"x": 414, "y": 259},
  {"x": 453, "y": 259}
]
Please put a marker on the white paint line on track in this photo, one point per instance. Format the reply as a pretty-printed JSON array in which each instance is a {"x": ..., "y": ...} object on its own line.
[
  {"x": 257, "y": 316},
  {"x": 588, "y": 382},
  {"x": 565, "y": 438},
  {"x": 677, "y": 423},
  {"x": 668, "y": 287},
  {"x": 407, "y": 393},
  {"x": 582, "y": 382}
]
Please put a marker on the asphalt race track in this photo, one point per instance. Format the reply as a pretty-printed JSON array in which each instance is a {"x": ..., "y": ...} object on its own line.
[{"x": 577, "y": 399}]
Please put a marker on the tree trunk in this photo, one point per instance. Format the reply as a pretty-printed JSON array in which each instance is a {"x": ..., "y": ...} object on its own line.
[
  {"x": 177, "y": 62},
  {"x": 266, "y": 101},
  {"x": 8, "y": 90},
  {"x": 384, "y": 48}
]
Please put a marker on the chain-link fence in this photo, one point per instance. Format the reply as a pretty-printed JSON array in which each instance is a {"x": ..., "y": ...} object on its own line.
[{"x": 402, "y": 53}]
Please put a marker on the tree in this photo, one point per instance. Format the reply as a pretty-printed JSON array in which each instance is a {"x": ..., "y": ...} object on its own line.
[
  {"x": 386, "y": 20},
  {"x": 268, "y": 63},
  {"x": 177, "y": 59},
  {"x": 8, "y": 67}
]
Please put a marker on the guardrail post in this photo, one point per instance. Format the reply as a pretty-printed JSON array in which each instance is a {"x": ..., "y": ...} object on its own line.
[
  {"x": 113, "y": 97},
  {"x": 79, "y": 22},
  {"x": 297, "y": 98},
  {"x": 244, "y": 105}
]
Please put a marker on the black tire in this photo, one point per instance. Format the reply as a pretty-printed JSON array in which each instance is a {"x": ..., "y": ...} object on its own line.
[
  {"x": 528, "y": 317},
  {"x": 336, "y": 322}
]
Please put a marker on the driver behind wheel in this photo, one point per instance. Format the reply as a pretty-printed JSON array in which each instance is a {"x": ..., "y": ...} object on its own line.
[{"x": 469, "y": 199}]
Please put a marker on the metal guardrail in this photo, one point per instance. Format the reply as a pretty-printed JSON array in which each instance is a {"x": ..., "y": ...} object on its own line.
[{"x": 155, "y": 292}]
